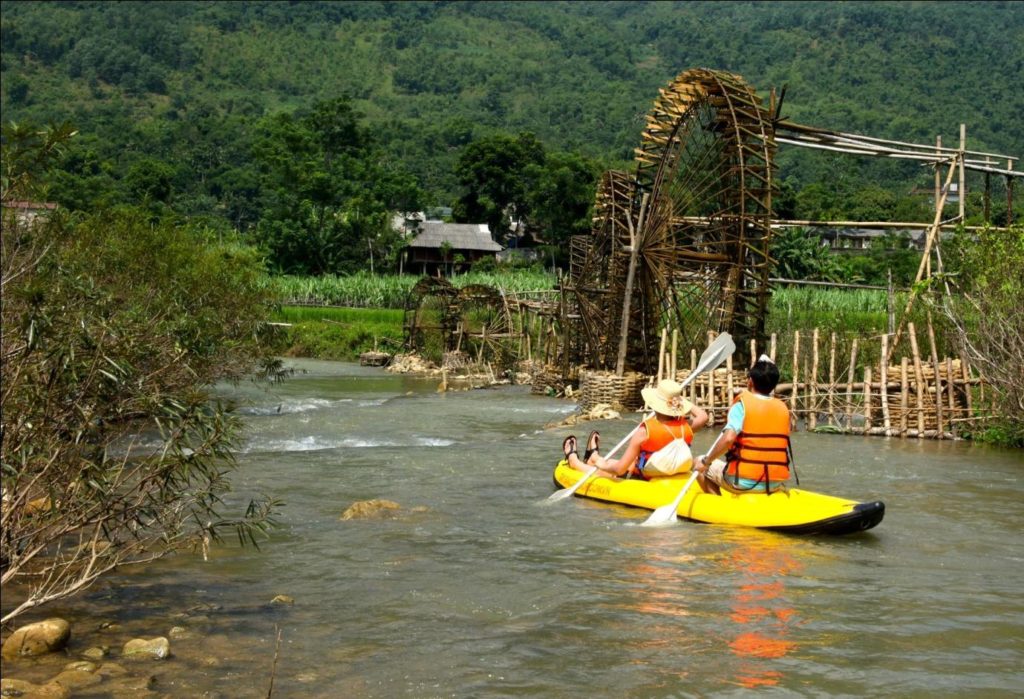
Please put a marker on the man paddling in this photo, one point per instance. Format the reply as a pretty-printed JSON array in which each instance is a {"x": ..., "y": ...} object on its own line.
[
  {"x": 674, "y": 418},
  {"x": 755, "y": 440}
]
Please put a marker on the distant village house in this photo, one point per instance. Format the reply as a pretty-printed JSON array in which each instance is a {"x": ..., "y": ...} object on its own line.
[
  {"x": 27, "y": 212},
  {"x": 437, "y": 246}
]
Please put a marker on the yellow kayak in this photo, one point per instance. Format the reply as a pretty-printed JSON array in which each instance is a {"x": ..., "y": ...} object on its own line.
[{"x": 792, "y": 510}]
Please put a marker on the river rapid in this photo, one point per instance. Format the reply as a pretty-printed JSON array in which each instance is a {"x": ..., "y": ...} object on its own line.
[{"x": 479, "y": 588}]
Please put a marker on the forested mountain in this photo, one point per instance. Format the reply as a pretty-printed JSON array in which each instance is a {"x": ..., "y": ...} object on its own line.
[{"x": 173, "y": 99}]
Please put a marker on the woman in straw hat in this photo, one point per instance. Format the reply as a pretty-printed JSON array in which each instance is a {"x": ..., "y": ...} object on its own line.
[{"x": 674, "y": 417}]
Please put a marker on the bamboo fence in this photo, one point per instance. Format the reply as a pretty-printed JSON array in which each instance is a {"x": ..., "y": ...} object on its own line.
[{"x": 921, "y": 396}]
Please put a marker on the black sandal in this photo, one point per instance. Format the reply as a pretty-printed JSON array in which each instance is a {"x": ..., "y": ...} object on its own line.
[
  {"x": 595, "y": 439},
  {"x": 569, "y": 446}
]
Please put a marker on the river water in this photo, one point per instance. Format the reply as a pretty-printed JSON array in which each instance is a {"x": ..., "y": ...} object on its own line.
[{"x": 478, "y": 588}]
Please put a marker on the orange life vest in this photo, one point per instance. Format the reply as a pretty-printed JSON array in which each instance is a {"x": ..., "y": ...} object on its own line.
[
  {"x": 761, "y": 450},
  {"x": 660, "y": 434}
]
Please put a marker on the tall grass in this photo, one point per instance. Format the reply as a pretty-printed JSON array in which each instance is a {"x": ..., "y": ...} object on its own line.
[
  {"x": 848, "y": 310},
  {"x": 850, "y": 314},
  {"x": 302, "y": 314},
  {"x": 365, "y": 290}
]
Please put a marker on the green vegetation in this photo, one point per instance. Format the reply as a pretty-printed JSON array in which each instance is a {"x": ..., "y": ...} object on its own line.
[
  {"x": 189, "y": 106},
  {"x": 339, "y": 333},
  {"x": 392, "y": 291},
  {"x": 988, "y": 321},
  {"x": 113, "y": 326}
]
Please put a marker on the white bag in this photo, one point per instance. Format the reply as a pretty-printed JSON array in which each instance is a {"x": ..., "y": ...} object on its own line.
[{"x": 674, "y": 457}]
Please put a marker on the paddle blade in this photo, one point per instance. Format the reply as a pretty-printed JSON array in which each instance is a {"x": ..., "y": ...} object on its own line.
[
  {"x": 568, "y": 492},
  {"x": 666, "y": 514},
  {"x": 716, "y": 353}
]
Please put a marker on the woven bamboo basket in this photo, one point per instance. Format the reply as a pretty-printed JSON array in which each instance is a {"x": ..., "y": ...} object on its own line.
[
  {"x": 622, "y": 393},
  {"x": 547, "y": 380}
]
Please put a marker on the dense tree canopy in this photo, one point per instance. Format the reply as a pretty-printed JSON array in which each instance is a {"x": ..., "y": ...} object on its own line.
[{"x": 176, "y": 101}]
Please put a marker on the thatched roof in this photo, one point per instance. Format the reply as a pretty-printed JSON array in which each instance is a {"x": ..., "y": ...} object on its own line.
[{"x": 461, "y": 236}]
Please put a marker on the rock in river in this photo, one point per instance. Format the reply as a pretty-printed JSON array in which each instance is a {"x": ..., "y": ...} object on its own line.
[
  {"x": 37, "y": 639},
  {"x": 366, "y": 509},
  {"x": 142, "y": 649}
]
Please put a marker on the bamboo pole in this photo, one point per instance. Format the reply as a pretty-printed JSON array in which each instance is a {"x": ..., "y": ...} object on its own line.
[
  {"x": 966, "y": 371},
  {"x": 808, "y": 409},
  {"x": 919, "y": 378},
  {"x": 832, "y": 381},
  {"x": 675, "y": 346},
  {"x": 890, "y": 304},
  {"x": 693, "y": 368},
  {"x": 634, "y": 251},
  {"x": 710, "y": 385},
  {"x": 814, "y": 380},
  {"x": 661, "y": 355},
  {"x": 939, "y": 423},
  {"x": 933, "y": 233},
  {"x": 796, "y": 372},
  {"x": 753, "y": 351},
  {"x": 728, "y": 380},
  {"x": 903, "y": 396},
  {"x": 867, "y": 399},
  {"x": 883, "y": 377},
  {"x": 949, "y": 391},
  {"x": 1009, "y": 194},
  {"x": 771, "y": 352},
  {"x": 849, "y": 384},
  {"x": 962, "y": 193}
]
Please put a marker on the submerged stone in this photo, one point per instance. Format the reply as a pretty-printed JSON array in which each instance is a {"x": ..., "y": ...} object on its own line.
[
  {"x": 21, "y": 688},
  {"x": 147, "y": 649},
  {"x": 371, "y": 509},
  {"x": 37, "y": 639},
  {"x": 76, "y": 679}
]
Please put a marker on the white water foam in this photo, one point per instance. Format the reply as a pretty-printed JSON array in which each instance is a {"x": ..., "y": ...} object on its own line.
[
  {"x": 292, "y": 407},
  {"x": 316, "y": 443}
]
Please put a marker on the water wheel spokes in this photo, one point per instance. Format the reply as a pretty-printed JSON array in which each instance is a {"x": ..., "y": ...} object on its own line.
[
  {"x": 431, "y": 318},
  {"x": 488, "y": 332},
  {"x": 706, "y": 159}
]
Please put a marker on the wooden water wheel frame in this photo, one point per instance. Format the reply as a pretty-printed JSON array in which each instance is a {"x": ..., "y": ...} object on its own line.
[
  {"x": 431, "y": 317},
  {"x": 486, "y": 329},
  {"x": 685, "y": 242},
  {"x": 475, "y": 320}
]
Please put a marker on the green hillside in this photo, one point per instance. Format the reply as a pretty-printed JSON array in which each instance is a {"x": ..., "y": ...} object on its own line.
[{"x": 171, "y": 97}]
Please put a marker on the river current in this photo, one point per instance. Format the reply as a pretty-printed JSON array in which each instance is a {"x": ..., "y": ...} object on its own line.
[{"x": 479, "y": 588}]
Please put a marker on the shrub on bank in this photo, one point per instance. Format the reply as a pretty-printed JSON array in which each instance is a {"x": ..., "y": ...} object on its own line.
[{"x": 112, "y": 450}]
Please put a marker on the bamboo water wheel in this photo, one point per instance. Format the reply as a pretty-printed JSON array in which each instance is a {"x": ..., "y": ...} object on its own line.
[
  {"x": 683, "y": 241},
  {"x": 454, "y": 327},
  {"x": 431, "y": 318},
  {"x": 486, "y": 329}
]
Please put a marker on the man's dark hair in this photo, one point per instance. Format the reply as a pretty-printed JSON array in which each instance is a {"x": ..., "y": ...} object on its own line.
[{"x": 765, "y": 376}]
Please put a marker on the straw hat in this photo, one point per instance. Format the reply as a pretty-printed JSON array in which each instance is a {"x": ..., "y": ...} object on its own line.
[{"x": 667, "y": 398}]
